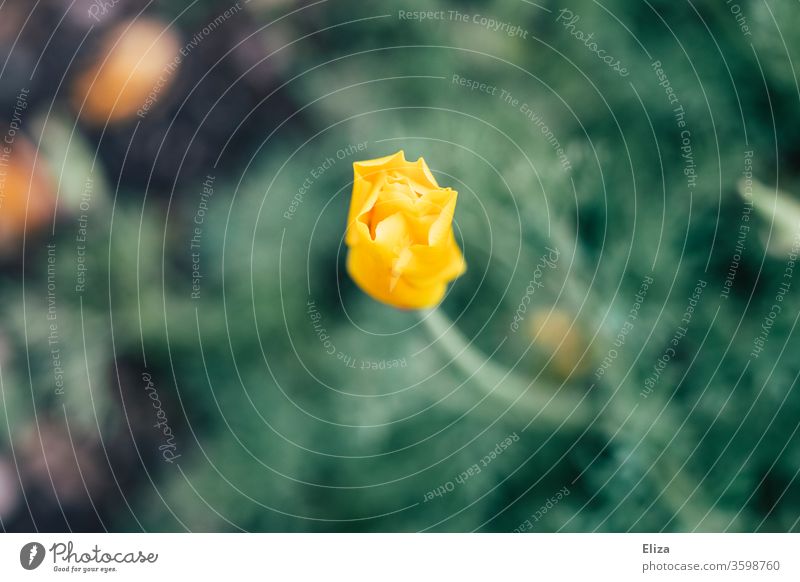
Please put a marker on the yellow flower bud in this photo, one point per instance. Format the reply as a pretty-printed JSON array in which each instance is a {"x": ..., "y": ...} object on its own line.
[
  {"x": 559, "y": 338},
  {"x": 402, "y": 250}
]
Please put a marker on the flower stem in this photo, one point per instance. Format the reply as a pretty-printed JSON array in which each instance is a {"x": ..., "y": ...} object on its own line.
[{"x": 500, "y": 390}]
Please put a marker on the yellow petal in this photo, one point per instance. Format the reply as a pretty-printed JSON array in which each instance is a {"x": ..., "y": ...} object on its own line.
[{"x": 374, "y": 279}]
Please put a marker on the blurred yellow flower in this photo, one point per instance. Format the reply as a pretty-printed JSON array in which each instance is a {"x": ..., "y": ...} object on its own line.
[{"x": 402, "y": 250}]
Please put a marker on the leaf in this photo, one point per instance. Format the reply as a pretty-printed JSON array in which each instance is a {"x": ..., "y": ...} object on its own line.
[{"x": 781, "y": 232}]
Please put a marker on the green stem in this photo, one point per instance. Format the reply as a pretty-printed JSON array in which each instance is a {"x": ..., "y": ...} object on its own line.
[
  {"x": 502, "y": 391},
  {"x": 545, "y": 404}
]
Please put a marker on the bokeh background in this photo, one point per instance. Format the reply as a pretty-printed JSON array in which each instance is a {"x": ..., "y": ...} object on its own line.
[{"x": 182, "y": 349}]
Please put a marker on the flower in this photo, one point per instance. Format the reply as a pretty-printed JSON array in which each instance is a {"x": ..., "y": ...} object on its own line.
[
  {"x": 27, "y": 193},
  {"x": 135, "y": 67},
  {"x": 402, "y": 250}
]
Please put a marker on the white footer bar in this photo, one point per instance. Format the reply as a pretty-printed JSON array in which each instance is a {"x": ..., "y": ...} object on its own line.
[{"x": 400, "y": 557}]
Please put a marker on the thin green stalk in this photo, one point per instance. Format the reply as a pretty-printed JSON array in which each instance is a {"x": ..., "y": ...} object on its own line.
[{"x": 539, "y": 401}]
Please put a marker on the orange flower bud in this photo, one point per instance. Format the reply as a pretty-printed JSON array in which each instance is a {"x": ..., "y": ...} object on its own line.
[
  {"x": 136, "y": 66},
  {"x": 402, "y": 250},
  {"x": 27, "y": 191}
]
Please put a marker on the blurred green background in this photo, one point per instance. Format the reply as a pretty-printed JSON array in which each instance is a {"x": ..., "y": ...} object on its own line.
[{"x": 213, "y": 367}]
